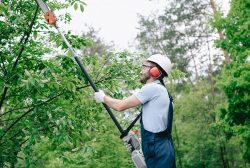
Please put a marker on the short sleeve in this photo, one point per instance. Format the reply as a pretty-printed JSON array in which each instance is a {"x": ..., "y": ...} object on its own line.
[{"x": 145, "y": 94}]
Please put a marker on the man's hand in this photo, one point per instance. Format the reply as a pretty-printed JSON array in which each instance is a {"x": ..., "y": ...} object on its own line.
[
  {"x": 127, "y": 142},
  {"x": 131, "y": 142},
  {"x": 99, "y": 96}
]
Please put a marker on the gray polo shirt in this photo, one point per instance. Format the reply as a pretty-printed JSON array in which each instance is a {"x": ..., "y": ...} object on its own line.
[{"x": 155, "y": 103}]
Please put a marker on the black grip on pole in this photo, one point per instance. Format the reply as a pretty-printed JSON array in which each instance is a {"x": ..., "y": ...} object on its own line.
[{"x": 96, "y": 90}]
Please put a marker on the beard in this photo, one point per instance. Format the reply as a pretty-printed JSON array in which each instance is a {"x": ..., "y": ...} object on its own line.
[{"x": 144, "y": 78}]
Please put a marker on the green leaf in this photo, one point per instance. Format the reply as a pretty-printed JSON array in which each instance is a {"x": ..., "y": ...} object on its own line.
[
  {"x": 75, "y": 6},
  {"x": 35, "y": 34},
  {"x": 82, "y": 8},
  {"x": 27, "y": 72}
]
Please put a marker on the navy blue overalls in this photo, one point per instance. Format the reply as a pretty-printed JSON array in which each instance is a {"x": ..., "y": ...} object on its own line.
[{"x": 158, "y": 148}]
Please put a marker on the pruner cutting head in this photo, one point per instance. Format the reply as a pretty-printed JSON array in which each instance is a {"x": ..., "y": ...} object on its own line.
[
  {"x": 50, "y": 17},
  {"x": 48, "y": 14}
]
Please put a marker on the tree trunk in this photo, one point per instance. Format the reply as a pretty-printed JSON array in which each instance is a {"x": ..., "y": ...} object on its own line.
[
  {"x": 221, "y": 35},
  {"x": 222, "y": 155},
  {"x": 177, "y": 147}
]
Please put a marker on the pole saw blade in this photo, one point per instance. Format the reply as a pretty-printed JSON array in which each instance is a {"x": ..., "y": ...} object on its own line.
[
  {"x": 48, "y": 14},
  {"x": 43, "y": 6}
]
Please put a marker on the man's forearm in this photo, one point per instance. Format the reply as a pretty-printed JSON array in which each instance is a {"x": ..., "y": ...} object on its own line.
[
  {"x": 120, "y": 105},
  {"x": 115, "y": 104}
]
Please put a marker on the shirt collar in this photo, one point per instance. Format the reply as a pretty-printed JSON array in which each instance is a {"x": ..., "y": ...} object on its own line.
[{"x": 157, "y": 81}]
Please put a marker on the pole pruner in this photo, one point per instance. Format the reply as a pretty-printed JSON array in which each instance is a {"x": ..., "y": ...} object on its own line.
[{"x": 136, "y": 155}]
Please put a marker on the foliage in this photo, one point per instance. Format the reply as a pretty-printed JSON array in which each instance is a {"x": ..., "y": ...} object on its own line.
[
  {"x": 195, "y": 114},
  {"x": 48, "y": 117},
  {"x": 46, "y": 103},
  {"x": 181, "y": 32},
  {"x": 204, "y": 121},
  {"x": 235, "y": 78}
]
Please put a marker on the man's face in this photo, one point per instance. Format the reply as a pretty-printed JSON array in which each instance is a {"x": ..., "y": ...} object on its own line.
[{"x": 144, "y": 74}]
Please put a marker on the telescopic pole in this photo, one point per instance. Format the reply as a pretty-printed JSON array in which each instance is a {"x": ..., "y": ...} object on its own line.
[
  {"x": 45, "y": 10},
  {"x": 136, "y": 154}
]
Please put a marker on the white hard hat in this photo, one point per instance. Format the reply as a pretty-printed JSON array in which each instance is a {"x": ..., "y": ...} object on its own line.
[{"x": 163, "y": 61}]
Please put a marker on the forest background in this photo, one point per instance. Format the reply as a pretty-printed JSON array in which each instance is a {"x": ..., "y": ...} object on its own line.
[{"x": 48, "y": 117}]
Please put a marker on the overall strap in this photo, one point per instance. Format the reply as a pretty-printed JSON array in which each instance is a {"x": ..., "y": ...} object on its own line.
[
  {"x": 170, "y": 115},
  {"x": 170, "y": 118}
]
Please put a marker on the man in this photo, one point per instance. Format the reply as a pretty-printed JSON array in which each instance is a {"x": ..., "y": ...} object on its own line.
[{"x": 157, "y": 111}]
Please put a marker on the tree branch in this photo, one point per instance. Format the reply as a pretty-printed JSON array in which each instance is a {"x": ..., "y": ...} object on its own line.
[
  {"x": 221, "y": 35},
  {"x": 26, "y": 35},
  {"x": 27, "y": 112},
  {"x": 3, "y": 67},
  {"x": 25, "y": 107}
]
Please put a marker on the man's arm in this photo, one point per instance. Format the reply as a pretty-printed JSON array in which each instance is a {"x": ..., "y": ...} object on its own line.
[{"x": 120, "y": 105}]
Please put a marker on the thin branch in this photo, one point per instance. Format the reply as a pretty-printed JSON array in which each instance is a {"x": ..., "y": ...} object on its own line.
[
  {"x": 27, "y": 35},
  {"x": 16, "y": 121},
  {"x": 78, "y": 88},
  {"x": 24, "y": 141},
  {"x": 101, "y": 69},
  {"x": 221, "y": 35},
  {"x": 13, "y": 136},
  {"x": 3, "y": 66},
  {"x": 27, "y": 112}
]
